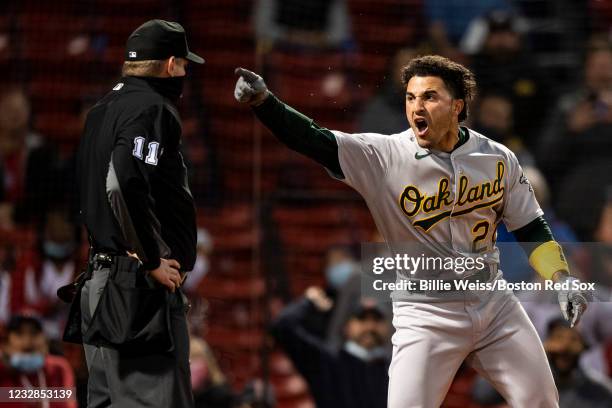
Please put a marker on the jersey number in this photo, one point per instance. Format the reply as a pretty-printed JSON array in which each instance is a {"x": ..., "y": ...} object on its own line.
[
  {"x": 480, "y": 231},
  {"x": 152, "y": 150}
]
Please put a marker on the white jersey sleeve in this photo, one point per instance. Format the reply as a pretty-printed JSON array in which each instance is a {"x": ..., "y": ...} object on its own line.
[
  {"x": 521, "y": 206},
  {"x": 363, "y": 158}
]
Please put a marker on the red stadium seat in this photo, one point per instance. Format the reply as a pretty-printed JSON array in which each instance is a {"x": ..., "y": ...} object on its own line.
[
  {"x": 235, "y": 339},
  {"x": 232, "y": 288}
]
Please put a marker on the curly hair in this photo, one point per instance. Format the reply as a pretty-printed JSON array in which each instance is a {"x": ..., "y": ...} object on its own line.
[{"x": 459, "y": 80}]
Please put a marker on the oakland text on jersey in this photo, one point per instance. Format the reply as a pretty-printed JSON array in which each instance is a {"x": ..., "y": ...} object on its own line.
[{"x": 488, "y": 193}]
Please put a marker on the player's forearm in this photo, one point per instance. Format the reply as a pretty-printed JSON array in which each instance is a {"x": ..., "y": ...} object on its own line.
[
  {"x": 534, "y": 234},
  {"x": 545, "y": 254},
  {"x": 299, "y": 133}
]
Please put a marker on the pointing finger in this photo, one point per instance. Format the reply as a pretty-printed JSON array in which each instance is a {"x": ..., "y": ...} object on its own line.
[{"x": 249, "y": 76}]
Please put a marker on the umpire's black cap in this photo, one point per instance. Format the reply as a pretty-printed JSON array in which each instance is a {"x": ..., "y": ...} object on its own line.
[{"x": 158, "y": 40}]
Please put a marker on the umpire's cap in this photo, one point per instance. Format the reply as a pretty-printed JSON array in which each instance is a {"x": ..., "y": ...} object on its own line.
[{"x": 158, "y": 40}]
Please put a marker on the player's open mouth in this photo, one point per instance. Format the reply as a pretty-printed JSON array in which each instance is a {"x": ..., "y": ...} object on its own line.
[{"x": 421, "y": 125}]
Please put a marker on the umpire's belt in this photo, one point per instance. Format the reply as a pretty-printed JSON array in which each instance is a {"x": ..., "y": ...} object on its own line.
[{"x": 102, "y": 260}]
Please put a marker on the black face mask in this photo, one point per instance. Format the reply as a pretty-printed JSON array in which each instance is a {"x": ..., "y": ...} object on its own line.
[{"x": 171, "y": 88}]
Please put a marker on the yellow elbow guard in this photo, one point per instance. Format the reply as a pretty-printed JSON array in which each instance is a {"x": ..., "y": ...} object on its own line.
[{"x": 547, "y": 259}]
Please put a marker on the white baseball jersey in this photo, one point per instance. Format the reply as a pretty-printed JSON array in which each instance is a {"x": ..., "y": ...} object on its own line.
[{"x": 451, "y": 202}]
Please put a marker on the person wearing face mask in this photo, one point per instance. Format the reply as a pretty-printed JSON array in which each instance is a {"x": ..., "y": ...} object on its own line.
[
  {"x": 342, "y": 286},
  {"x": 24, "y": 363},
  {"x": 353, "y": 376},
  {"x": 140, "y": 216},
  {"x": 340, "y": 267},
  {"x": 41, "y": 272}
]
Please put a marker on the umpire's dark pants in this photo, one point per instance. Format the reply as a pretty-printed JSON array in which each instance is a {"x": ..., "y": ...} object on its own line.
[{"x": 119, "y": 380}]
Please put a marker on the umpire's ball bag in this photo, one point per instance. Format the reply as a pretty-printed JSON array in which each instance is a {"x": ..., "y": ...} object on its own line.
[{"x": 131, "y": 316}]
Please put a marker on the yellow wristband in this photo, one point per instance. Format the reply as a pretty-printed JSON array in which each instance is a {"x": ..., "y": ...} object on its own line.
[{"x": 547, "y": 259}]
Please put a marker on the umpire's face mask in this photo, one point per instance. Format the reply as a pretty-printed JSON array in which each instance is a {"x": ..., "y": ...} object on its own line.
[
  {"x": 170, "y": 87},
  {"x": 175, "y": 87}
]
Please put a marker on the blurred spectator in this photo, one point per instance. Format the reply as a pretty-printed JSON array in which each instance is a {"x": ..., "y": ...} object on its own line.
[
  {"x": 338, "y": 298},
  {"x": 494, "y": 118},
  {"x": 505, "y": 66},
  {"x": 303, "y": 23},
  {"x": 356, "y": 375},
  {"x": 40, "y": 273},
  {"x": 578, "y": 131},
  {"x": 26, "y": 164},
  {"x": 257, "y": 394},
  {"x": 479, "y": 29},
  {"x": 601, "y": 255},
  {"x": 449, "y": 19},
  {"x": 210, "y": 388},
  {"x": 202, "y": 263},
  {"x": 340, "y": 265},
  {"x": 385, "y": 113},
  {"x": 25, "y": 363},
  {"x": 577, "y": 387}
]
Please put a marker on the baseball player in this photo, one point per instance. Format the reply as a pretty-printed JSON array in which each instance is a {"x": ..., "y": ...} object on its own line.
[{"x": 447, "y": 187}]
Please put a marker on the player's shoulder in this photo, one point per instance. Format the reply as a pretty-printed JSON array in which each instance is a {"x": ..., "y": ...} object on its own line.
[
  {"x": 376, "y": 139},
  {"x": 483, "y": 144}
]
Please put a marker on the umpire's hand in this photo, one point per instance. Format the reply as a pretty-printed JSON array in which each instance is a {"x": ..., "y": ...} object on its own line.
[
  {"x": 250, "y": 88},
  {"x": 167, "y": 274}
]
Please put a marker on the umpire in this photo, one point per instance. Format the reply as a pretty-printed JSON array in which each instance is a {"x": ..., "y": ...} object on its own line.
[{"x": 140, "y": 216}]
